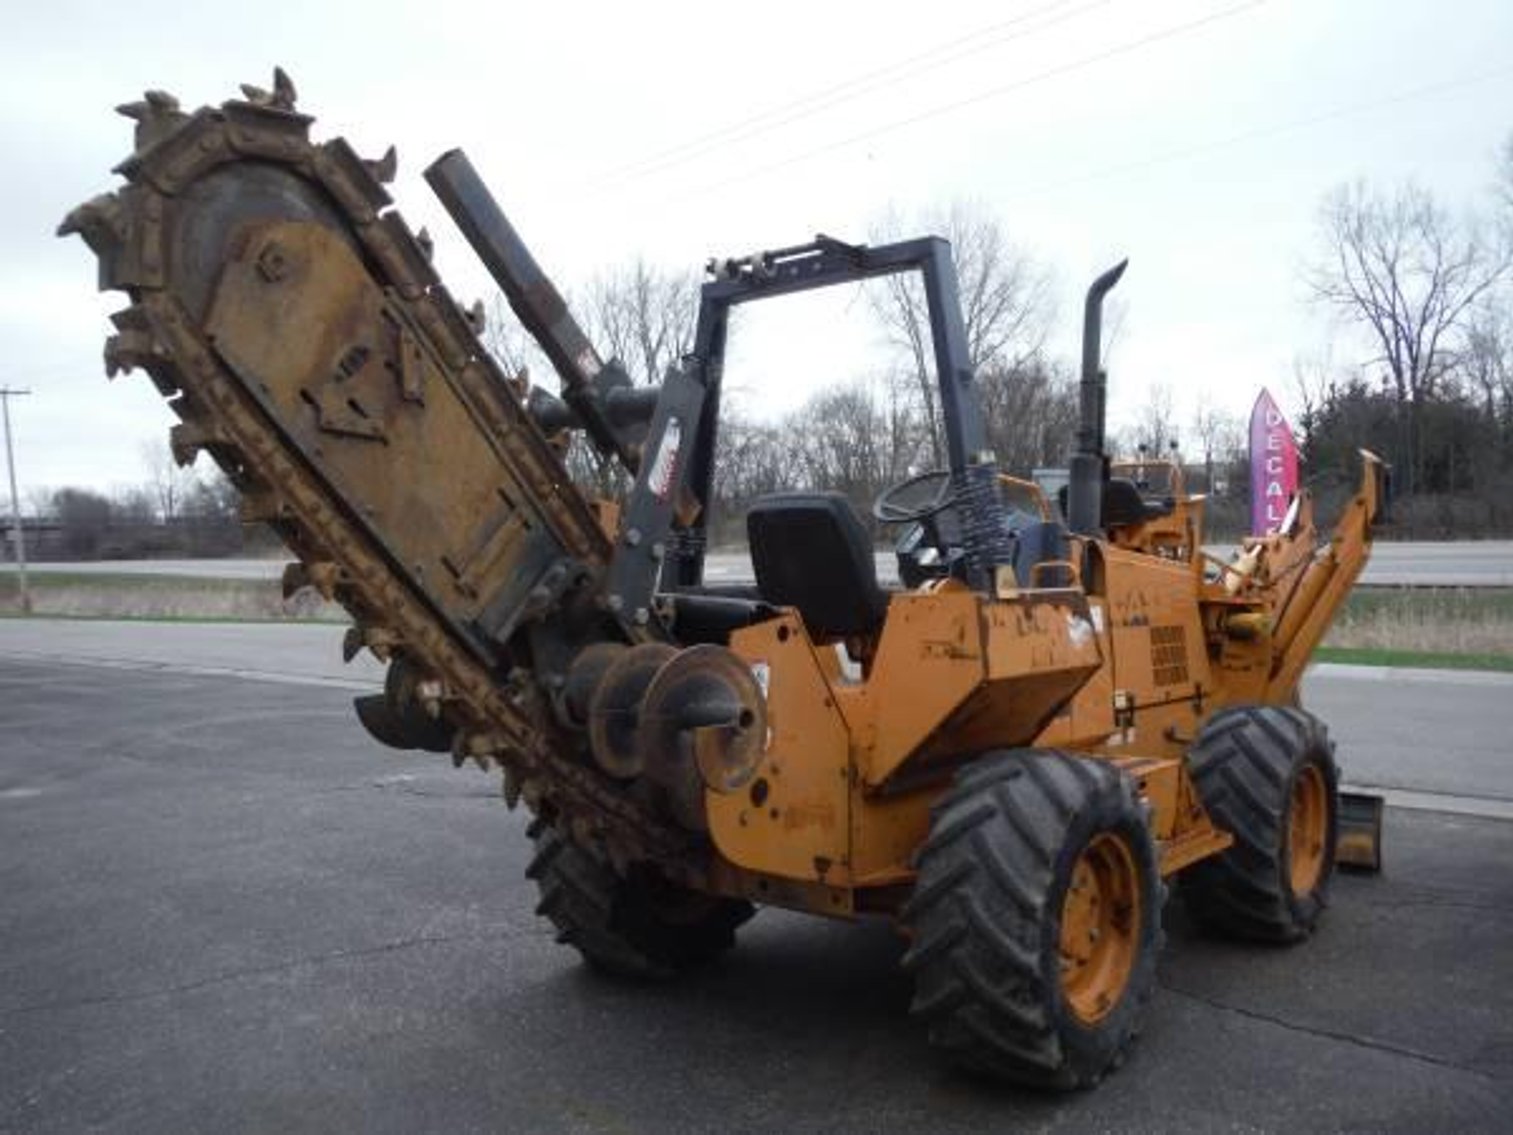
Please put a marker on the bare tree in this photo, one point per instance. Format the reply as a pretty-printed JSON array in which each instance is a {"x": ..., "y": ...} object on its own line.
[
  {"x": 1312, "y": 377},
  {"x": 1503, "y": 187},
  {"x": 1156, "y": 428},
  {"x": 1407, "y": 274},
  {"x": 1487, "y": 361},
  {"x": 1005, "y": 298},
  {"x": 849, "y": 453},
  {"x": 509, "y": 342},
  {"x": 1029, "y": 413},
  {"x": 639, "y": 314},
  {"x": 168, "y": 483},
  {"x": 84, "y": 517},
  {"x": 212, "y": 499},
  {"x": 1218, "y": 436},
  {"x": 642, "y": 316}
]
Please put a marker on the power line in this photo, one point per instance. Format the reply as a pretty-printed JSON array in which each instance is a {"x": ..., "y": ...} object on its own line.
[
  {"x": 6, "y": 394},
  {"x": 1271, "y": 129},
  {"x": 1083, "y": 63},
  {"x": 815, "y": 96},
  {"x": 766, "y": 121}
]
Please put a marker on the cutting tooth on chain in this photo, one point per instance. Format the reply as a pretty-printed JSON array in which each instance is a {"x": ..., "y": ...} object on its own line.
[
  {"x": 99, "y": 221},
  {"x": 187, "y": 438},
  {"x": 427, "y": 244},
  {"x": 352, "y": 643},
  {"x": 295, "y": 578},
  {"x": 284, "y": 93},
  {"x": 520, "y": 384},
  {"x": 185, "y": 444},
  {"x": 383, "y": 169},
  {"x": 478, "y": 319},
  {"x": 281, "y": 97},
  {"x": 129, "y": 349},
  {"x": 382, "y": 641},
  {"x": 478, "y": 747},
  {"x": 321, "y": 575},
  {"x": 156, "y": 114},
  {"x": 510, "y": 788}
]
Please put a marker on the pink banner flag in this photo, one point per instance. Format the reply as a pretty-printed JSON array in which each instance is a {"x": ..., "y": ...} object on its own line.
[{"x": 1273, "y": 466}]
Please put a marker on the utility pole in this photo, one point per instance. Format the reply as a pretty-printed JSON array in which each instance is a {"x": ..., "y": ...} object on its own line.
[{"x": 6, "y": 394}]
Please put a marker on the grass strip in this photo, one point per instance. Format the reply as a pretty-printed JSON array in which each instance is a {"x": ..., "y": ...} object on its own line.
[
  {"x": 230, "y": 620},
  {"x": 1414, "y": 659}
]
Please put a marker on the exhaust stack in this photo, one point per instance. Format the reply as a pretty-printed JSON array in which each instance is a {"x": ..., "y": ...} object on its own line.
[{"x": 1089, "y": 464}]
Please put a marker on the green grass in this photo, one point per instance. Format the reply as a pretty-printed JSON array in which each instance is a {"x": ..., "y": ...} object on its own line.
[
  {"x": 122, "y": 595},
  {"x": 229, "y": 620},
  {"x": 1452, "y": 604},
  {"x": 1467, "y": 622},
  {"x": 53, "y": 580},
  {"x": 1417, "y": 659}
]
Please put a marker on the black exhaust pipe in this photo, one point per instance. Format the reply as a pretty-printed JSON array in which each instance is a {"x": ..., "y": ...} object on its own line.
[{"x": 1089, "y": 464}]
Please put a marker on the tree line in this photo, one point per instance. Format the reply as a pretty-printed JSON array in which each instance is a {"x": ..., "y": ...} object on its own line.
[
  {"x": 857, "y": 437},
  {"x": 1420, "y": 365},
  {"x": 1417, "y": 302},
  {"x": 171, "y": 512}
]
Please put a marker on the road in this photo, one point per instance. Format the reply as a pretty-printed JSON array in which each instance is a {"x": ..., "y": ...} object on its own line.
[
  {"x": 1487, "y": 563},
  {"x": 226, "y": 909},
  {"x": 1394, "y": 727}
]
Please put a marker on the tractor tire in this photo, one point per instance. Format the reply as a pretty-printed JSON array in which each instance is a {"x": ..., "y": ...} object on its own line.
[
  {"x": 1036, "y": 919},
  {"x": 640, "y": 926},
  {"x": 1267, "y": 775}
]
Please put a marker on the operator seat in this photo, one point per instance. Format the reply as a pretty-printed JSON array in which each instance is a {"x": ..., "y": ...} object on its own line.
[
  {"x": 1121, "y": 503},
  {"x": 811, "y": 551}
]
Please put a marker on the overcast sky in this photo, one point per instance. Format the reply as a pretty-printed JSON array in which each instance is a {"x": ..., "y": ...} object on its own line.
[{"x": 1195, "y": 137}]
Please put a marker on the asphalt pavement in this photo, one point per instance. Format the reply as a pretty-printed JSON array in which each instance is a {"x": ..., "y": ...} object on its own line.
[
  {"x": 1431, "y": 738},
  {"x": 226, "y": 909}
]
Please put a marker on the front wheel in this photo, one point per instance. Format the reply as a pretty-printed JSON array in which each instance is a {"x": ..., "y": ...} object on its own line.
[
  {"x": 641, "y": 926},
  {"x": 1036, "y": 919},
  {"x": 1267, "y": 775}
]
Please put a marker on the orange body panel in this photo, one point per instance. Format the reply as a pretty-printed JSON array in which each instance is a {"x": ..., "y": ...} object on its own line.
[{"x": 1127, "y": 670}]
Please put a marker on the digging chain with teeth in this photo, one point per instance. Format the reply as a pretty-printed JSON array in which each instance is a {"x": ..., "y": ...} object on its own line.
[{"x": 503, "y": 723}]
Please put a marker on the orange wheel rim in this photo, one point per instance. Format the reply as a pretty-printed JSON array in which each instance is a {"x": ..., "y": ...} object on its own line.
[
  {"x": 1100, "y": 928},
  {"x": 1307, "y": 829}
]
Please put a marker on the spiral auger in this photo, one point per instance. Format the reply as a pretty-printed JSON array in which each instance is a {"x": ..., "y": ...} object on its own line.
[{"x": 299, "y": 332}]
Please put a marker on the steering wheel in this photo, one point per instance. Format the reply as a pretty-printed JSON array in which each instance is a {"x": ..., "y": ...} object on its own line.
[{"x": 916, "y": 499}]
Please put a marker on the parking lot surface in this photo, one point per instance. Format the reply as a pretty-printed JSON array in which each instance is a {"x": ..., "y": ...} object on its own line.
[{"x": 225, "y": 908}]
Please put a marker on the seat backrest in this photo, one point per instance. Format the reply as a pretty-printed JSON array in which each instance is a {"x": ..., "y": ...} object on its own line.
[
  {"x": 811, "y": 551},
  {"x": 1037, "y": 544},
  {"x": 1122, "y": 503}
]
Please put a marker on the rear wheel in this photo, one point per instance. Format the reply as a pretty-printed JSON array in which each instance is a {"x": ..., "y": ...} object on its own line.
[
  {"x": 1036, "y": 919},
  {"x": 639, "y": 926},
  {"x": 1267, "y": 775}
]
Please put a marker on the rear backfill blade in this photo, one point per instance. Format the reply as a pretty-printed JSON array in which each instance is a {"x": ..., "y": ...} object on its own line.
[{"x": 1358, "y": 845}]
